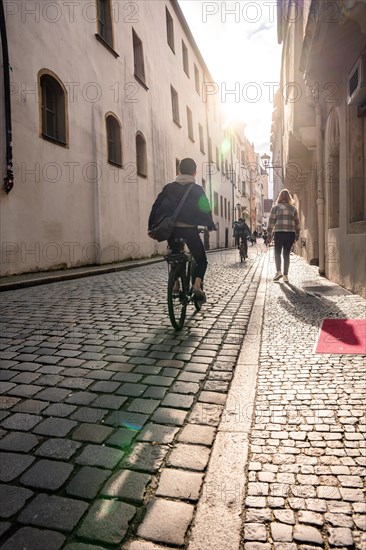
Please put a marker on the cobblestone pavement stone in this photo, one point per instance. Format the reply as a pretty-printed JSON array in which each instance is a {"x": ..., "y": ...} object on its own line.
[
  {"x": 306, "y": 470},
  {"x": 107, "y": 415}
]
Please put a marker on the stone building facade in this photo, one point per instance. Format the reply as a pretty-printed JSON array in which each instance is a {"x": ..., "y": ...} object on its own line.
[
  {"x": 319, "y": 132},
  {"x": 107, "y": 96}
]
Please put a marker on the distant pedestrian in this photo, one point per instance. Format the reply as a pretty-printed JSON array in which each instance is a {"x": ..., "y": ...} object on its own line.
[
  {"x": 235, "y": 233},
  {"x": 284, "y": 223}
]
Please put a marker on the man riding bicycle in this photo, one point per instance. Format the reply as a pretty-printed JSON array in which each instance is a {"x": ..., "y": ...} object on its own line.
[
  {"x": 241, "y": 233},
  {"x": 195, "y": 211}
]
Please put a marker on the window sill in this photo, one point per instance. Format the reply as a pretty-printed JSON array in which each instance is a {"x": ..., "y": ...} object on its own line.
[
  {"x": 141, "y": 81},
  {"x": 55, "y": 141},
  {"x": 113, "y": 163},
  {"x": 177, "y": 123},
  {"x": 357, "y": 227},
  {"x": 106, "y": 45},
  {"x": 142, "y": 175}
]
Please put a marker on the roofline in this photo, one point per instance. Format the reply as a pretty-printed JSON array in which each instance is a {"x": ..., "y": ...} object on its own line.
[{"x": 178, "y": 11}]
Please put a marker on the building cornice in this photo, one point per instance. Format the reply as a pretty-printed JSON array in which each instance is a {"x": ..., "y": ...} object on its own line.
[
  {"x": 310, "y": 32},
  {"x": 178, "y": 12}
]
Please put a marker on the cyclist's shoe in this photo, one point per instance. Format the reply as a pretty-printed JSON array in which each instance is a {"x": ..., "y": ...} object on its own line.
[{"x": 199, "y": 295}]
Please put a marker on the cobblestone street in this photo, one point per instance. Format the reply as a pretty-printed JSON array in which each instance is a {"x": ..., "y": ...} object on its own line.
[
  {"x": 114, "y": 427},
  {"x": 306, "y": 472}
]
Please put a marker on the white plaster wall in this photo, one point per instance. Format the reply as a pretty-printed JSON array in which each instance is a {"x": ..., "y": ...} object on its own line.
[
  {"x": 77, "y": 218},
  {"x": 51, "y": 223},
  {"x": 2, "y": 125}
]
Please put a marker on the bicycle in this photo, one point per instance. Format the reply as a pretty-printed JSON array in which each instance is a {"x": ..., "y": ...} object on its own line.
[
  {"x": 180, "y": 268},
  {"x": 243, "y": 249}
]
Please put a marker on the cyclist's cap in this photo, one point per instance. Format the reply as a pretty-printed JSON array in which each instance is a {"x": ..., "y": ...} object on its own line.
[{"x": 188, "y": 167}]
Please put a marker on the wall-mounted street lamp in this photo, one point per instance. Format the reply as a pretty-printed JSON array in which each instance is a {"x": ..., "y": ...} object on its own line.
[
  {"x": 277, "y": 169},
  {"x": 266, "y": 163},
  {"x": 265, "y": 160}
]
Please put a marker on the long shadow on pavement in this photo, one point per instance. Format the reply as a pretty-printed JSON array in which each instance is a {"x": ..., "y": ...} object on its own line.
[
  {"x": 307, "y": 307},
  {"x": 312, "y": 309}
]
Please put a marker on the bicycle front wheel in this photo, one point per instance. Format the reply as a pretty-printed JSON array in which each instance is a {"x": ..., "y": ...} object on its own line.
[{"x": 177, "y": 296}]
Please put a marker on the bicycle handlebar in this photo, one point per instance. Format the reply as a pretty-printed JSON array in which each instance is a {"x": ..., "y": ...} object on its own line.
[{"x": 202, "y": 228}]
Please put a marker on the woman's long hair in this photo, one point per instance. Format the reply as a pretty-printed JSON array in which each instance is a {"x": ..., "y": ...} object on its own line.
[{"x": 284, "y": 196}]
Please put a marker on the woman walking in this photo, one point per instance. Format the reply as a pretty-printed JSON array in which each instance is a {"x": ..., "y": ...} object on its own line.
[{"x": 284, "y": 223}]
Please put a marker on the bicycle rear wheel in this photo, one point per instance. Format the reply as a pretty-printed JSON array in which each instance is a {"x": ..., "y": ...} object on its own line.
[{"x": 177, "y": 299}]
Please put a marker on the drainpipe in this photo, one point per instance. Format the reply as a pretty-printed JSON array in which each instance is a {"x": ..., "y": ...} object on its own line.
[
  {"x": 209, "y": 163},
  {"x": 9, "y": 178},
  {"x": 232, "y": 174},
  {"x": 320, "y": 190},
  {"x": 210, "y": 197}
]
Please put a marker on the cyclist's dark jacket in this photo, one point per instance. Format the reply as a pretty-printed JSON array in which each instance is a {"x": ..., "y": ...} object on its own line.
[
  {"x": 241, "y": 230},
  {"x": 195, "y": 211}
]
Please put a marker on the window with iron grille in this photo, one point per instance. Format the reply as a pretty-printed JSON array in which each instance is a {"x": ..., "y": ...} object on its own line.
[
  {"x": 169, "y": 29},
  {"x": 53, "y": 106},
  {"x": 141, "y": 156},
  {"x": 105, "y": 21},
  {"x": 185, "y": 58},
  {"x": 190, "y": 124},
  {"x": 197, "y": 79},
  {"x": 216, "y": 203},
  {"x": 138, "y": 56},
  {"x": 209, "y": 150},
  {"x": 175, "y": 105},
  {"x": 114, "y": 140},
  {"x": 202, "y": 144}
]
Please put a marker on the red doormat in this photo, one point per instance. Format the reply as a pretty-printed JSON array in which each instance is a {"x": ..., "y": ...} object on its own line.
[{"x": 340, "y": 336}]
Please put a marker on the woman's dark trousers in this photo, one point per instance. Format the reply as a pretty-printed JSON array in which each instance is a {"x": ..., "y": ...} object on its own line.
[{"x": 283, "y": 241}]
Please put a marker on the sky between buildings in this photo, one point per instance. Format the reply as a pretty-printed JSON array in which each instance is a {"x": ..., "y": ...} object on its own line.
[{"x": 238, "y": 41}]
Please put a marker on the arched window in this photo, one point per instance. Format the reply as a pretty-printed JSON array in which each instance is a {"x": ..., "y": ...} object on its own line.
[
  {"x": 141, "y": 157},
  {"x": 114, "y": 140},
  {"x": 53, "y": 109}
]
